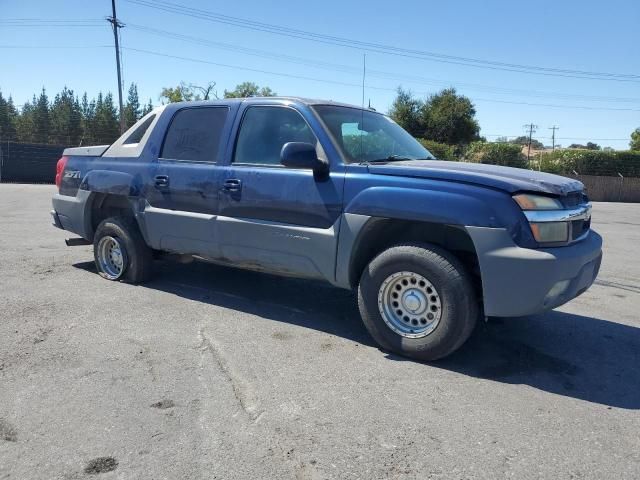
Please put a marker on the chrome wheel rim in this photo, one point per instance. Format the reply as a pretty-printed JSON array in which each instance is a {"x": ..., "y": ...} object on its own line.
[
  {"x": 111, "y": 257},
  {"x": 409, "y": 304}
]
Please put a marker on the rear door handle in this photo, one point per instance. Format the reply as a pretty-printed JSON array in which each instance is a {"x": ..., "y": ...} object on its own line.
[
  {"x": 232, "y": 185},
  {"x": 162, "y": 181}
]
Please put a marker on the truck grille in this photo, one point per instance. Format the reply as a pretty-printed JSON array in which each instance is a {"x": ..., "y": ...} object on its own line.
[
  {"x": 573, "y": 199},
  {"x": 579, "y": 228}
]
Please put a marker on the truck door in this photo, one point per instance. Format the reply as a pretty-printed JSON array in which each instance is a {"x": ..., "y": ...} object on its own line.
[
  {"x": 274, "y": 218},
  {"x": 184, "y": 195}
]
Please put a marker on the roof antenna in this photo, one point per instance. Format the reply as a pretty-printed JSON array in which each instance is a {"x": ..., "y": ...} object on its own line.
[{"x": 364, "y": 76}]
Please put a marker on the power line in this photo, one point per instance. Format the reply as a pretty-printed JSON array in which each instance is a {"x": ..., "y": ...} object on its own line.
[
  {"x": 348, "y": 84},
  {"x": 561, "y": 138},
  {"x": 380, "y": 48},
  {"x": 39, "y": 47},
  {"x": 374, "y": 73},
  {"x": 36, "y": 22}
]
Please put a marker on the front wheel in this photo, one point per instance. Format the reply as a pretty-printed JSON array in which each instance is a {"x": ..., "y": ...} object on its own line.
[
  {"x": 120, "y": 252},
  {"x": 418, "y": 301}
]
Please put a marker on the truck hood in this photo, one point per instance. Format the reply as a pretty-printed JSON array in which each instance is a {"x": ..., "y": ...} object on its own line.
[{"x": 504, "y": 178}]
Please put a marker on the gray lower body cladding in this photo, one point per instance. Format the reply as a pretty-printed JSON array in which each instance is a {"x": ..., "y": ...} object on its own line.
[
  {"x": 515, "y": 281},
  {"x": 520, "y": 281},
  {"x": 73, "y": 213}
]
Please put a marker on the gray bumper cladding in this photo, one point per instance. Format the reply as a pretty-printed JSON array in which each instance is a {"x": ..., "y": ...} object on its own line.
[
  {"x": 520, "y": 281},
  {"x": 71, "y": 213}
]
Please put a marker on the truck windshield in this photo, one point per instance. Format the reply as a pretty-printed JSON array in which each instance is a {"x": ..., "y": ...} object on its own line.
[{"x": 366, "y": 136}]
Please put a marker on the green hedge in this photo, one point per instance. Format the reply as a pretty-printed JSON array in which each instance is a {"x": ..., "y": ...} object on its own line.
[
  {"x": 589, "y": 162},
  {"x": 441, "y": 151},
  {"x": 506, "y": 154}
]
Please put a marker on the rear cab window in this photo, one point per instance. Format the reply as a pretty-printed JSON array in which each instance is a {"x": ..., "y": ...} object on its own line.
[
  {"x": 132, "y": 142},
  {"x": 194, "y": 134}
]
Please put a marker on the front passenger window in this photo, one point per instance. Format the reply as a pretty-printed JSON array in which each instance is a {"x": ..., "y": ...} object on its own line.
[{"x": 265, "y": 130}]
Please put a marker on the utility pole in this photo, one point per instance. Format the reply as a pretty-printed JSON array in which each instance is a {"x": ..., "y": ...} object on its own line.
[
  {"x": 115, "y": 24},
  {"x": 532, "y": 128},
  {"x": 553, "y": 137}
]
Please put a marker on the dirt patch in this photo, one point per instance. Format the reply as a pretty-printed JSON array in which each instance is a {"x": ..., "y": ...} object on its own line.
[
  {"x": 41, "y": 335},
  {"x": 101, "y": 465},
  {"x": 281, "y": 336},
  {"x": 8, "y": 431},
  {"x": 164, "y": 404}
]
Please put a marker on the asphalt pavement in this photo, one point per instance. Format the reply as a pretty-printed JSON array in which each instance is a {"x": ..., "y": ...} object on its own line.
[{"x": 214, "y": 373}]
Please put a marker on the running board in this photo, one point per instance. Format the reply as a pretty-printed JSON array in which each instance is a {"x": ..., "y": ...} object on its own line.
[{"x": 75, "y": 242}]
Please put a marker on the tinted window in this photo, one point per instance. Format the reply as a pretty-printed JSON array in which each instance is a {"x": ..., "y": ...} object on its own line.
[
  {"x": 194, "y": 134},
  {"x": 139, "y": 132},
  {"x": 265, "y": 130}
]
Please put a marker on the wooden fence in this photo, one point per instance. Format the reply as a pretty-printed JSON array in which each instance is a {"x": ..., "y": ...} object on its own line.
[{"x": 611, "y": 189}]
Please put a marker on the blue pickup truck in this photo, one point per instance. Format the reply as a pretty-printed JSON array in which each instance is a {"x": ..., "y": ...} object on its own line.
[{"x": 323, "y": 190}]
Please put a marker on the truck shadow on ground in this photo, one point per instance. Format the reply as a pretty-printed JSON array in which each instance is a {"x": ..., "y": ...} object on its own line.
[{"x": 576, "y": 356}]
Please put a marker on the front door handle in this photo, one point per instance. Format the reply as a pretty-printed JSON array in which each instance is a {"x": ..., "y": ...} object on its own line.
[
  {"x": 161, "y": 181},
  {"x": 232, "y": 185}
]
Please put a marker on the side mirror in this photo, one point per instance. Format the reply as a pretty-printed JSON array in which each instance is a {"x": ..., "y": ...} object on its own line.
[{"x": 303, "y": 155}]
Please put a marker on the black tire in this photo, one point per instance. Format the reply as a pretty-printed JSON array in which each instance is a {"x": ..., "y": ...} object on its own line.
[
  {"x": 138, "y": 257},
  {"x": 457, "y": 296}
]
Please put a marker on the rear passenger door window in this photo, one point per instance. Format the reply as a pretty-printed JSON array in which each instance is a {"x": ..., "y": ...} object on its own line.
[
  {"x": 265, "y": 130},
  {"x": 194, "y": 134}
]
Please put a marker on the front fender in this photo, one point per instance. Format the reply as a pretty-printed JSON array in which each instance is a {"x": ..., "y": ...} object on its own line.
[
  {"x": 455, "y": 206},
  {"x": 108, "y": 182}
]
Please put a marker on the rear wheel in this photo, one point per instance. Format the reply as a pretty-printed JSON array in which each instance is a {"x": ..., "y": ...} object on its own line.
[
  {"x": 417, "y": 300},
  {"x": 120, "y": 252}
]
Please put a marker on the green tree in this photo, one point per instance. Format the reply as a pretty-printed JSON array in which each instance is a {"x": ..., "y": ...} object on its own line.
[
  {"x": 147, "y": 108},
  {"x": 634, "y": 144},
  {"x": 188, "y": 92},
  {"x": 132, "y": 109},
  {"x": 449, "y": 118},
  {"x": 524, "y": 140},
  {"x": 88, "y": 109},
  {"x": 588, "y": 146},
  {"x": 106, "y": 124},
  {"x": 8, "y": 119},
  {"x": 204, "y": 93},
  {"x": 41, "y": 119},
  {"x": 25, "y": 126},
  {"x": 181, "y": 93},
  {"x": 66, "y": 119},
  {"x": 445, "y": 117},
  {"x": 406, "y": 111},
  {"x": 249, "y": 89}
]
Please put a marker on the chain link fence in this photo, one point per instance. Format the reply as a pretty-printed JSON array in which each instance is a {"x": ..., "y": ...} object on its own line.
[{"x": 28, "y": 162}]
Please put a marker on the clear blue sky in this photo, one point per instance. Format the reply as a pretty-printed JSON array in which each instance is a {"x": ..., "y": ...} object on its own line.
[{"x": 584, "y": 35}]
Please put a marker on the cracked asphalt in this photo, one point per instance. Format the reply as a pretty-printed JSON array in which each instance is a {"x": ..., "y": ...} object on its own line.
[{"x": 214, "y": 373}]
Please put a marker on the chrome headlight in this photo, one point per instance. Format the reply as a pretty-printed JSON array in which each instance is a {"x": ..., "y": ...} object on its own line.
[{"x": 550, "y": 222}]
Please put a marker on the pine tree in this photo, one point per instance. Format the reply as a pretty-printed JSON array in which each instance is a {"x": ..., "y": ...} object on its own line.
[
  {"x": 88, "y": 110},
  {"x": 66, "y": 119},
  {"x": 107, "y": 128},
  {"x": 41, "y": 120},
  {"x": 147, "y": 108},
  {"x": 8, "y": 117},
  {"x": 132, "y": 108},
  {"x": 25, "y": 124}
]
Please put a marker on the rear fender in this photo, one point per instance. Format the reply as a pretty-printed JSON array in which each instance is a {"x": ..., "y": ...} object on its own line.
[{"x": 111, "y": 183}]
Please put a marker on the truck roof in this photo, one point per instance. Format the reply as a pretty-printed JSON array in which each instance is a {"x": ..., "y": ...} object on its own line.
[{"x": 259, "y": 100}]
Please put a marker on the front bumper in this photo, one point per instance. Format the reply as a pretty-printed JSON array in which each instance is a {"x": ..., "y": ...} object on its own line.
[{"x": 520, "y": 281}]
